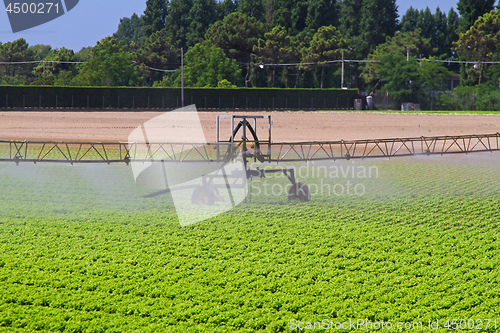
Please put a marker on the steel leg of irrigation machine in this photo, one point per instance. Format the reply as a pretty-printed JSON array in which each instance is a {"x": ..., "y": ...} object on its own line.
[{"x": 297, "y": 192}]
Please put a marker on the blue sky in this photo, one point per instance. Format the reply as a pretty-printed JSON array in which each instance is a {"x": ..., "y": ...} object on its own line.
[{"x": 92, "y": 20}]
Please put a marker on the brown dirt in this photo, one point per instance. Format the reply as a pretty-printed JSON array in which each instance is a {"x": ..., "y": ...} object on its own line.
[{"x": 287, "y": 126}]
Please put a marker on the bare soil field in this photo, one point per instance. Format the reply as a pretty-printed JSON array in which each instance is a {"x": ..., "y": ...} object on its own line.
[{"x": 286, "y": 126}]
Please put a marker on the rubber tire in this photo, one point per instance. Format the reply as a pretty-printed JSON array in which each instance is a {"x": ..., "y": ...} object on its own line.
[
  {"x": 203, "y": 196},
  {"x": 299, "y": 192}
]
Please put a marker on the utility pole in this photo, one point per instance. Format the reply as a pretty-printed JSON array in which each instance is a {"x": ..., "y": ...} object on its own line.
[
  {"x": 255, "y": 75},
  {"x": 182, "y": 76},
  {"x": 342, "y": 77},
  {"x": 407, "y": 54}
]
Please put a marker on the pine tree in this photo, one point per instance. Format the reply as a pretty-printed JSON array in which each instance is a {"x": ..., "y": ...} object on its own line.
[
  {"x": 367, "y": 23},
  {"x": 349, "y": 16},
  {"x": 236, "y": 35},
  {"x": 177, "y": 22},
  {"x": 441, "y": 33},
  {"x": 225, "y": 7},
  {"x": 471, "y": 10},
  {"x": 291, "y": 15},
  {"x": 158, "y": 51},
  {"x": 427, "y": 25},
  {"x": 326, "y": 45},
  {"x": 253, "y": 8},
  {"x": 273, "y": 49},
  {"x": 440, "y": 29},
  {"x": 201, "y": 15},
  {"x": 16, "y": 51},
  {"x": 410, "y": 20},
  {"x": 154, "y": 16},
  {"x": 452, "y": 23},
  {"x": 321, "y": 13},
  {"x": 481, "y": 42},
  {"x": 130, "y": 30}
]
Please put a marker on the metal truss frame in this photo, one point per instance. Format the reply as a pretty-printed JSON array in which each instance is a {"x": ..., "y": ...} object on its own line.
[{"x": 126, "y": 152}]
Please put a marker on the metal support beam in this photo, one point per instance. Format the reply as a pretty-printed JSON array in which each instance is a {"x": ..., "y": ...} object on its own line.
[{"x": 222, "y": 151}]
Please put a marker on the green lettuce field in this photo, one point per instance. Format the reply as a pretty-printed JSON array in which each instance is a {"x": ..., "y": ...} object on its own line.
[{"x": 416, "y": 241}]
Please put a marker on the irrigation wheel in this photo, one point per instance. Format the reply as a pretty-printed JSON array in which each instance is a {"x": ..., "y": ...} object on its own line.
[
  {"x": 203, "y": 196},
  {"x": 299, "y": 192}
]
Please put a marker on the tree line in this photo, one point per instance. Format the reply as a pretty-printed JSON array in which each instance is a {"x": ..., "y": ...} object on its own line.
[{"x": 277, "y": 43}]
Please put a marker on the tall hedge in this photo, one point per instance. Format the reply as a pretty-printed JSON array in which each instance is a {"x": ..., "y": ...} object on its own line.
[{"x": 29, "y": 97}]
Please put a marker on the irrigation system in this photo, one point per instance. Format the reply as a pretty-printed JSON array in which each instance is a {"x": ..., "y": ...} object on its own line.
[{"x": 243, "y": 140}]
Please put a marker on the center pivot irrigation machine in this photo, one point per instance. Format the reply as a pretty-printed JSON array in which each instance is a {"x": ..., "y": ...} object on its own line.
[{"x": 243, "y": 143}]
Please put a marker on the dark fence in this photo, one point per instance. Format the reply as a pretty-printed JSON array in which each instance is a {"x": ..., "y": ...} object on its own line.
[
  {"x": 24, "y": 97},
  {"x": 383, "y": 101}
]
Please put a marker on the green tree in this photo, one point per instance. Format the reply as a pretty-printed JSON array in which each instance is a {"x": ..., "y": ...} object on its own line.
[
  {"x": 399, "y": 44},
  {"x": 201, "y": 15},
  {"x": 408, "y": 81},
  {"x": 225, "y": 7},
  {"x": 404, "y": 78},
  {"x": 367, "y": 23},
  {"x": 428, "y": 25},
  {"x": 40, "y": 51},
  {"x": 177, "y": 21},
  {"x": 130, "y": 30},
  {"x": 16, "y": 51},
  {"x": 154, "y": 16},
  {"x": 439, "y": 37},
  {"x": 349, "y": 24},
  {"x": 225, "y": 84},
  {"x": 83, "y": 54},
  {"x": 293, "y": 55},
  {"x": 437, "y": 27},
  {"x": 253, "y": 8},
  {"x": 206, "y": 65},
  {"x": 432, "y": 75},
  {"x": 461, "y": 98},
  {"x": 300, "y": 43},
  {"x": 109, "y": 65},
  {"x": 326, "y": 45},
  {"x": 494, "y": 74},
  {"x": 236, "y": 35},
  {"x": 291, "y": 15},
  {"x": 400, "y": 77},
  {"x": 452, "y": 33},
  {"x": 57, "y": 68},
  {"x": 156, "y": 54},
  {"x": 410, "y": 20},
  {"x": 269, "y": 12},
  {"x": 481, "y": 42},
  {"x": 471, "y": 10},
  {"x": 379, "y": 20},
  {"x": 273, "y": 49},
  {"x": 321, "y": 13}
]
